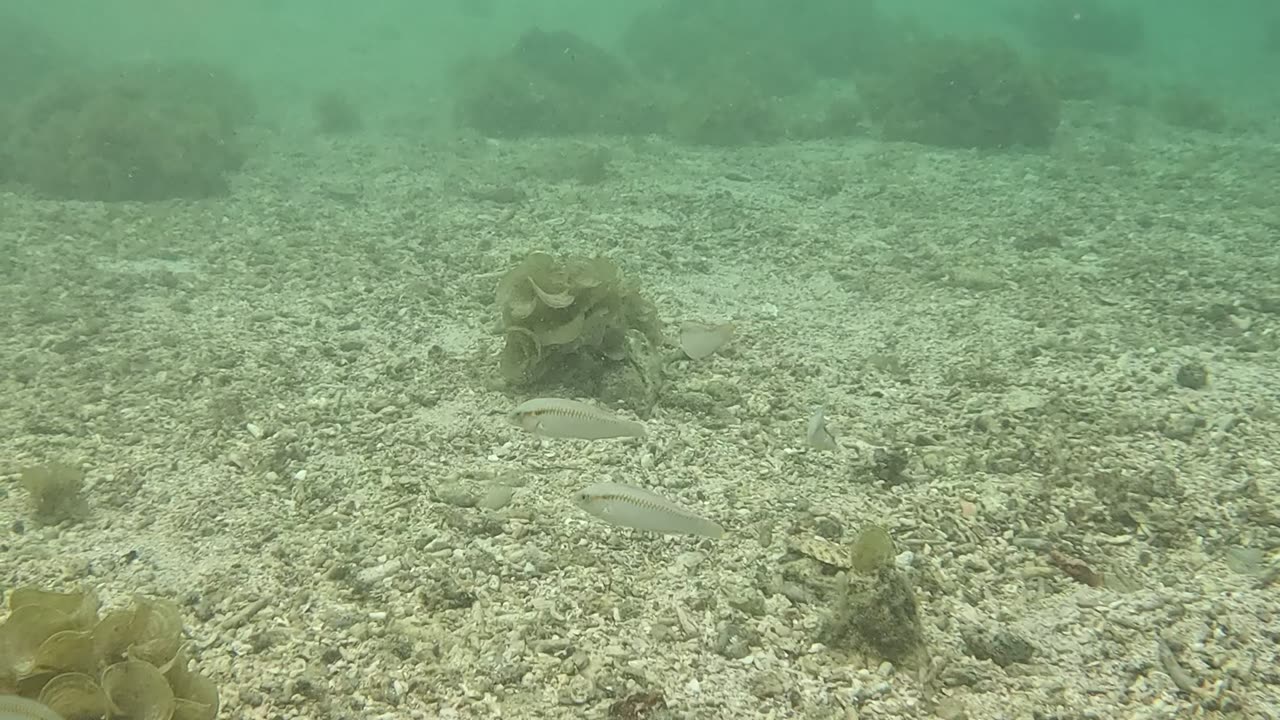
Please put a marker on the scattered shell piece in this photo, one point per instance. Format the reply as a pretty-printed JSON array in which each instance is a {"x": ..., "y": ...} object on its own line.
[
  {"x": 637, "y": 508},
  {"x": 817, "y": 434},
  {"x": 244, "y": 615},
  {"x": 559, "y": 418},
  {"x": 1169, "y": 663},
  {"x": 373, "y": 575},
  {"x": 698, "y": 340},
  {"x": 1076, "y": 569}
]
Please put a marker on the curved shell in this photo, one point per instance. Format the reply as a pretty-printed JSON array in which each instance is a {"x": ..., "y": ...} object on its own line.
[
  {"x": 699, "y": 341},
  {"x": 137, "y": 690},
  {"x": 196, "y": 696},
  {"x": 74, "y": 695},
  {"x": 21, "y": 636},
  {"x": 68, "y": 651},
  {"x": 80, "y": 607},
  {"x": 156, "y": 631},
  {"x": 114, "y": 633}
]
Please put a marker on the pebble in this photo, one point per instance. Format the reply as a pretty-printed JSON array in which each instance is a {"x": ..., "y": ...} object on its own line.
[
  {"x": 457, "y": 495},
  {"x": 378, "y": 573},
  {"x": 496, "y": 497}
]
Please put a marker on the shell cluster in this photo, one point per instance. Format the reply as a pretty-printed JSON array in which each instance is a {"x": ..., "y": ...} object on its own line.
[
  {"x": 56, "y": 649},
  {"x": 556, "y": 308}
]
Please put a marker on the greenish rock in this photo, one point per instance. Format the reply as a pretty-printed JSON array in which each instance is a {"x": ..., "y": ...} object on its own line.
[
  {"x": 959, "y": 93},
  {"x": 876, "y": 613},
  {"x": 148, "y": 132},
  {"x": 553, "y": 84},
  {"x": 1001, "y": 646}
]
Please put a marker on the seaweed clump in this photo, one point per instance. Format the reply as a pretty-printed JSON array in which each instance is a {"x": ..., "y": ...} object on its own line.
[
  {"x": 965, "y": 94},
  {"x": 553, "y": 84},
  {"x": 150, "y": 132},
  {"x": 56, "y": 491},
  {"x": 726, "y": 112},
  {"x": 131, "y": 662},
  {"x": 1191, "y": 108},
  {"x": 571, "y": 313},
  {"x": 335, "y": 113}
]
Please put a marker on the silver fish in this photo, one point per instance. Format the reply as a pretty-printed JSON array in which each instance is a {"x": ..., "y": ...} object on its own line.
[
  {"x": 560, "y": 418},
  {"x": 633, "y": 507}
]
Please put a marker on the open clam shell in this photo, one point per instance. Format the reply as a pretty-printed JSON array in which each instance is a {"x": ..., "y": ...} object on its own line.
[
  {"x": 74, "y": 696},
  {"x": 698, "y": 340},
  {"x": 138, "y": 691}
]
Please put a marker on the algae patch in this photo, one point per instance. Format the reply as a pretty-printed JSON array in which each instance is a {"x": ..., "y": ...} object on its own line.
[
  {"x": 574, "y": 313},
  {"x": 56, "y": 491},
  {"x": 131, "y": 662}
]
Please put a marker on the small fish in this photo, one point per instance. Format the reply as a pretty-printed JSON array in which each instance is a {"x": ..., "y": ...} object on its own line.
[
  {"x": 18, "y": 707},
  {"x": 633, "y": 507},
  {"x": 817, "y": 434},
  {"x": 558, "y": 418}
]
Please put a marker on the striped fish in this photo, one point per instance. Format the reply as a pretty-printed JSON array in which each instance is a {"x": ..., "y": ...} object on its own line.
[
  {"x": 633, "y": 507},
  {"x": 558, "y": 418}
]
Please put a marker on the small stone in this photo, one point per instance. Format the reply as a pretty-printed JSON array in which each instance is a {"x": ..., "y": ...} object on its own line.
[
  {"x": 457, "y": 495},
  {"x": 1245, "y": 560},
  {"x": 1182, "y": 426},
  {"x": 828, "y": 527},
  {"x": 734, "y": 641},
  {"x": 578, "y": 691},
  {"x": 496, "y": 497},
  {"x": 1226, "y": 423},
  {"x": 1001, "y": 646},
  {"x": 949, "y": 708},
  {"x": 767, "y": 685},
  {"x": 378, "y": 573},
  {"x": 1193, "y": 376}
]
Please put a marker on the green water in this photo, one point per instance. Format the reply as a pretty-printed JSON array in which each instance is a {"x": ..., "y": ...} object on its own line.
[
  {"x": 988, "y": 287},
  {"x": 715, "y": 72}
]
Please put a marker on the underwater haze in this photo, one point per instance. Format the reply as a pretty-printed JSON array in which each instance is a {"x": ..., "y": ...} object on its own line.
[{"x": 660, "y": 360}]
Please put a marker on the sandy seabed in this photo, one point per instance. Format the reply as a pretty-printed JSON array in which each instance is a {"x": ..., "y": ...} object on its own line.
[{"x": 287, "y": 408}]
